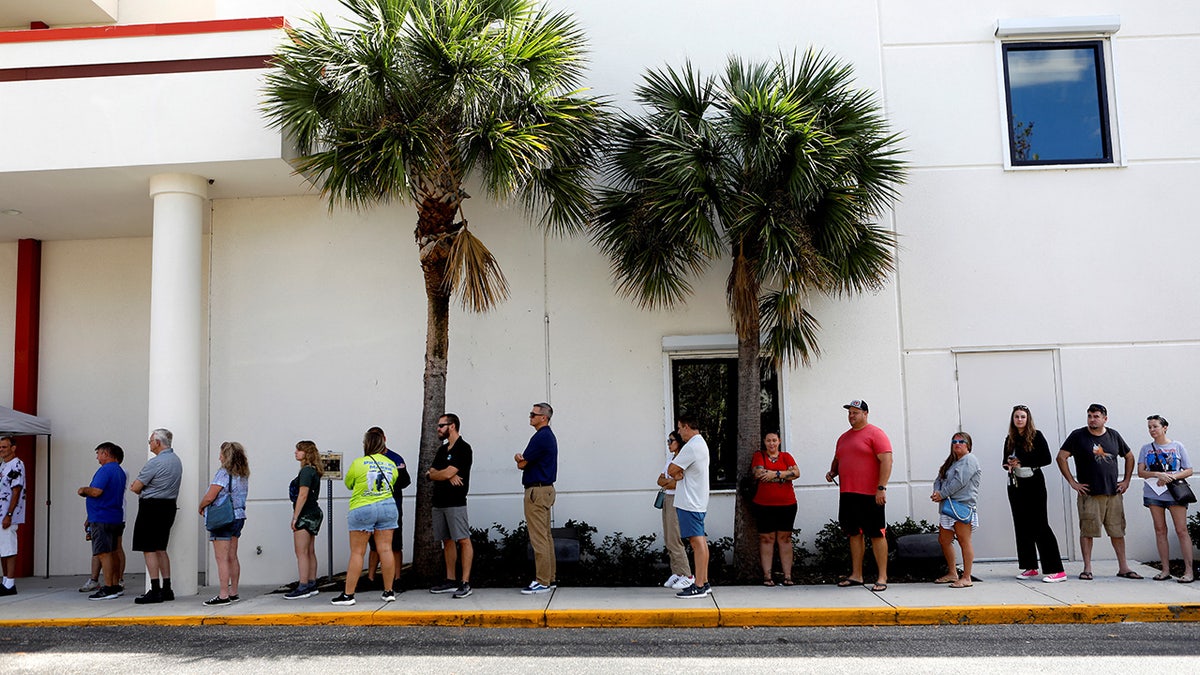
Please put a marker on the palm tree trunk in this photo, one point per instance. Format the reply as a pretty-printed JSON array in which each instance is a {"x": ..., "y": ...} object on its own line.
[
  {"x": 427, "y": 553},
  {"x": 743, "y": 298},
  {"x": 745, "y": 534}
]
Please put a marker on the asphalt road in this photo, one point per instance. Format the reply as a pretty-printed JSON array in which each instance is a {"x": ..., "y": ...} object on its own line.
[{"x": 1124, "y": 648}]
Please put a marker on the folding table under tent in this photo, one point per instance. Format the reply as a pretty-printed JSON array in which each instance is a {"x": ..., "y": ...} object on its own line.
[{"x": 22, "y": 424}]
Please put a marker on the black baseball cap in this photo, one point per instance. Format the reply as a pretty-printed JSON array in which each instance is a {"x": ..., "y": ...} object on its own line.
[{"x": 856, "y": 403}]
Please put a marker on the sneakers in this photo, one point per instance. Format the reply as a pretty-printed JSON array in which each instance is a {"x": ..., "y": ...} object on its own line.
[
  {"x": 342, "y": 599},
  {"x": 1055, "y": 578},
  {"x": 5, "y": 590},
  {"x": 167, "y": 595},
  {"x": 535, "y": 588},
  {"x": 388, "y": 596},
  {"x": 234, "y": 597},
  {"x": 694, "y": 591},
  {"x": 302, "y": 591},
  {"x": 89, "y": 586},
  {"x": 105, "y": 593},
  {"x": 121, "y": 588},
  {"x": 669, "y": 583},
  {"x": 217, "y": 600},
  {"x": 463, "y": 591},
  {"x": 446, "y": 586},
  {"x": 1027, "y": 575},
  {"x": 683, "y": 582},
  {"x": 150, "y": 597}
]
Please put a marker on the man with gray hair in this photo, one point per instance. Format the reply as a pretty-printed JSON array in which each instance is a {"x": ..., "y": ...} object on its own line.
[
  {"x": 539, "y": 466},
  {"x": 157, "y": 487}
]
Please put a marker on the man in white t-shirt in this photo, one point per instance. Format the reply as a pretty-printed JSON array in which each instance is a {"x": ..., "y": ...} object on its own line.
[{"x": 689, "y": 469}]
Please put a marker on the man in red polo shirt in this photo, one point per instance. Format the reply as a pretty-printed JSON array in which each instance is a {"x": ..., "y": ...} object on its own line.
[{"x": 864, "y": 461}]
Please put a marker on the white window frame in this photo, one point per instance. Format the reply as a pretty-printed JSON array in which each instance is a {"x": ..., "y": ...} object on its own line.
[{"x": 1062, "y": 30}]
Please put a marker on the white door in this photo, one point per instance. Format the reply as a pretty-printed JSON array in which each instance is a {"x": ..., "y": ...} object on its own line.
[{"x": 989, "y": 385}]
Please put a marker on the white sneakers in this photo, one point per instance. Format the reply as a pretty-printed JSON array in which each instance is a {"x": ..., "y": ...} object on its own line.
[{"x": 678, "y": 582}]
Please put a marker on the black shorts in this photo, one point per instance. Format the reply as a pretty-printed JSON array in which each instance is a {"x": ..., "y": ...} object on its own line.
[
  {"x": 771, "y": 519},
  {"x": 859, "y": 514},
  {"x": 152, "y": 529}
]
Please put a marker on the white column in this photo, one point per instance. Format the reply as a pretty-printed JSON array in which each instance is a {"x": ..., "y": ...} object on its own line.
[{"x": 176, "y": 352}]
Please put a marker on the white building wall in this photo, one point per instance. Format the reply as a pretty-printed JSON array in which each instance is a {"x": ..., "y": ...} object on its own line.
[{"x": 318, "y": 319}]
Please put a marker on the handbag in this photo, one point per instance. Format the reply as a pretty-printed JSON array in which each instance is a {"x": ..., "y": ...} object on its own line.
[
  {"x": 1181, "y": 492},
  {"x": 957, "y": 510},
  {"x": 660, "y": 498},
  {"x": 217, "y": 516}
]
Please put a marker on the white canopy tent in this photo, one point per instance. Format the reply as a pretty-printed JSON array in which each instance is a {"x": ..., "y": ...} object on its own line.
[{"x": 22, "y": 424}]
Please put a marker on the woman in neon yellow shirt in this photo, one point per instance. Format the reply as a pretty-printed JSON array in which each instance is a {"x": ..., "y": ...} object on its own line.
[{"x": 371, "y": 479}]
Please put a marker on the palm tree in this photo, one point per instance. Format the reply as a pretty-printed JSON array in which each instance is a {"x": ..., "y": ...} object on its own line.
[
  {"x": 412, "y": 99},
  {"x": 778, "y": 167}
]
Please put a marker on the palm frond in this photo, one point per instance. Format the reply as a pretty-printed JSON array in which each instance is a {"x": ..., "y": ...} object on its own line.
[{"x": 474, "y": 273}]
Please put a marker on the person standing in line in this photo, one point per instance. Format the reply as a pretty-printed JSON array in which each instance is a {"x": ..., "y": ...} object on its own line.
[
  {"x": 118, "y": 553},
  {"x": 958, "y": 481},
  {"x": 403, "y": 480},
  {"x": 451, "y": 476},
  {"x": 689, "y": 470},
  {"x": 305, "y": 493},
  {"x": 12, "y": 506},
  {"x": 1095, "y": 449},
  {"x": 232, "y": 481},
  {"x": 774, "y": 505},
  {"x": 681, "y": 571},
  {"x": 863, "y": 459},
  {"x": 1025, "y": 453},
  {"x": 157, "y": 488},
  {"x": 1160, "y": 462},
  {"x": 372, "y": 514},
  {"x": 105, "y": 502},
  {"x": 539, "y": 469}
]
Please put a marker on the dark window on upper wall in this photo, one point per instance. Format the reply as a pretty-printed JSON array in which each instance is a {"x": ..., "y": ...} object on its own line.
[
  {"x": 707, "y": 389},
  {"x": 1058, "y": 104}
]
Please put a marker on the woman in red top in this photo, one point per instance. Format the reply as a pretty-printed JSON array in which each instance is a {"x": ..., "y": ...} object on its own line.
[{"x": 774, "y": 506}]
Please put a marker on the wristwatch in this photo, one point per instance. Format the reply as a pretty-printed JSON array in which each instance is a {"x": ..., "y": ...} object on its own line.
[{"x": 883, "y": 487}]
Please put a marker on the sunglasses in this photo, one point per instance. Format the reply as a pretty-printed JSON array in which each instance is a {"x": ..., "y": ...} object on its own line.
[{"x": 958, "y": 441}]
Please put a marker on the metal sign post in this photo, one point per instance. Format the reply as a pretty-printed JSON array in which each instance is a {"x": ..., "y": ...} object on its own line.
[{"x": 331, "y": 463}]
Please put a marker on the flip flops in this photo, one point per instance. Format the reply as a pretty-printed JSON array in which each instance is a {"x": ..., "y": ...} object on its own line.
[
  {"x": 848, "y": 582},
  {"x": 1185, "y": 580},
  {"x": 1129, "y": 575},
  {"x": 878, "y": 587},
  {"x": 961, "y": 584},
  {"x": 946, "y": 580},
  {"x": 1162, "y": 576},
  {"x": 1086, "y": 576}
]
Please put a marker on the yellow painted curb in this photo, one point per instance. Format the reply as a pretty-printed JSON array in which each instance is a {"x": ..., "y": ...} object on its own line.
[
  {"x": 669, "y": 618},
  {"x": 633, "y": 618}
]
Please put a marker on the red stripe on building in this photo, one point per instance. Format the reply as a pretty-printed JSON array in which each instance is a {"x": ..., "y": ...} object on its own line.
[
  {"x": 143, "y": 30},
  {"x": 135, "y": 68}
]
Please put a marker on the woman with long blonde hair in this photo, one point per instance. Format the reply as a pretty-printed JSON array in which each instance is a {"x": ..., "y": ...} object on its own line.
[
  {"x": 232, "y": 481},
  {"x": 305, "y": 491}
]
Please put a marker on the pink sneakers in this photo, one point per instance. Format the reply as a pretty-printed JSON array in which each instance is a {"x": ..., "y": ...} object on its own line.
[
  {"x": 1055, "y": 578},
  {"x": 1027, "y": 575}
]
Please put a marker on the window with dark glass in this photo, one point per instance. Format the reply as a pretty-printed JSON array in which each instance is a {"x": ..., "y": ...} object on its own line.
[
  {"x": 707, "y": 389},
  {"x": 1057, "y": 103}
]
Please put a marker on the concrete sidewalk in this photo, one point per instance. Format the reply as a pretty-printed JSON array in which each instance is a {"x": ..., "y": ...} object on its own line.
[{"x": 996, "y": 598}]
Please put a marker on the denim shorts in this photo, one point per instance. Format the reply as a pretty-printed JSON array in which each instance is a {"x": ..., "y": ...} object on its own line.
[
  {"x": 230, "y": 531},
  {"x": 382, "y": 515}
]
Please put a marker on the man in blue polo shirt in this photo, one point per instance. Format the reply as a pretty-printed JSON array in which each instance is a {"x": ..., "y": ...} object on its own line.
[
  {"x": 539, "y": 464},
  {"x": 105, "y": 498}
]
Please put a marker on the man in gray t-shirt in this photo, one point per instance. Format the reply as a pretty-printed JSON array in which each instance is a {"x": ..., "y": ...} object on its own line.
[{"x": 157, "y": 487}]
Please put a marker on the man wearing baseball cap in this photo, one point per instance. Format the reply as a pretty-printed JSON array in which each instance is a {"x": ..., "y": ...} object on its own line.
[{"x": 864, "y": 461}]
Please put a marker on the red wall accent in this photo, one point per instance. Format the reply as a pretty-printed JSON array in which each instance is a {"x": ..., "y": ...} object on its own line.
[
  {"x": 135, "y": 68},
  {"x": 143, "y": 30},
  {"x": 25, "y": 382}
]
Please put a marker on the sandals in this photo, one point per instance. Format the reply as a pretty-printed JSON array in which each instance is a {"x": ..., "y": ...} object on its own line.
[
  {"x": 1086, "y": 576},
  {"x": 961, "y": 584},
  {"x": 1129, "y": 575},
  {"x": 768, "y": 582},
  {"x": 879, "y": 587},
  {"x": 1185, "y": 579},
  {"x": 1162, "y": 576},
  {"x": 848, "y": 582},
  {"x": 945, "y": 580},
  {"x": 787, "y": 581}
]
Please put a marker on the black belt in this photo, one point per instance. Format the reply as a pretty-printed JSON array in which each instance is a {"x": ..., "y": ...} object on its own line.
[{"x": 529, "y": 485}]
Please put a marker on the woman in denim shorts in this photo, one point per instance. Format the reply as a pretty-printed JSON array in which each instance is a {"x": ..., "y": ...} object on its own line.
[
  {"x": 1159, "y": 463},
  {"x": 232, "y": 481},
  {"x": 370, "y": 479}
]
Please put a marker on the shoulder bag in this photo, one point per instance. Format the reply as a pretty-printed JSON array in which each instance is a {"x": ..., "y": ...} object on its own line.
[
  {"x": 957, "y": 510},
  {"x": 220, "y": 515},
  {"x": 1181, "y": 492}
]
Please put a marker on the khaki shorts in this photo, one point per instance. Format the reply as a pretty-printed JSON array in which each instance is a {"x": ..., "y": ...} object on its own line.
[{"x": 1095, "y": 510}]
